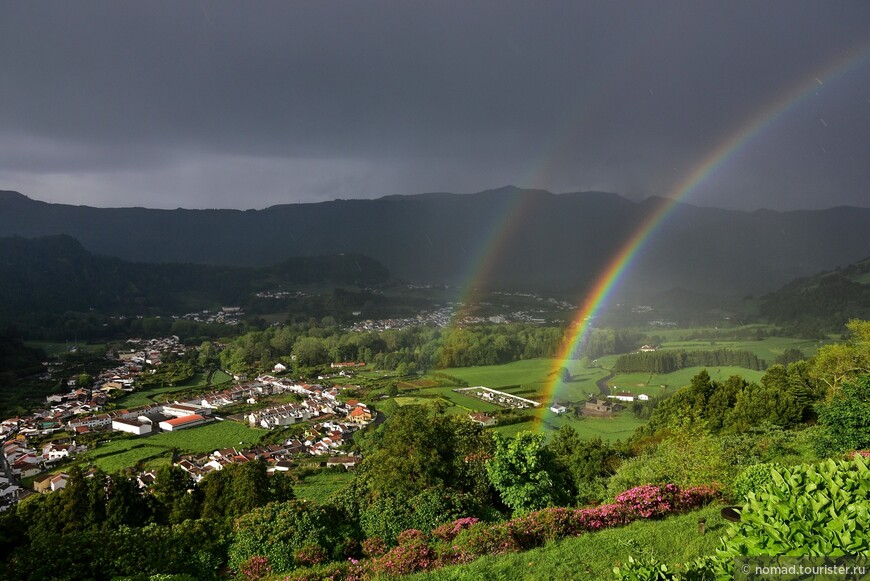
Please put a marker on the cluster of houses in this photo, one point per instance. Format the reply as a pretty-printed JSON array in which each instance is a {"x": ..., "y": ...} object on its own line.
[
  {"x": 440, "y": 318},
  {"x": 323, "y": 439},
  {"x": 499, "y": 398},
  {"x": 18, "y": 461},
  {"x": 225, "y": 316},
  {"x": 611, "y": 404}
]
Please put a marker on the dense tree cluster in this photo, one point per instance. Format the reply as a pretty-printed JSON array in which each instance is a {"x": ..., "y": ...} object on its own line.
[
  {"x": 783, "y": 398},
  {"x": 669, "y": 361},
  {"x": 101, "y": 526},
  {"x": 407, "y": 350}
]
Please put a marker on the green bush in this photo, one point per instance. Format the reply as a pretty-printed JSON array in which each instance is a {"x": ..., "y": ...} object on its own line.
[{"x": 751, "y": 479}]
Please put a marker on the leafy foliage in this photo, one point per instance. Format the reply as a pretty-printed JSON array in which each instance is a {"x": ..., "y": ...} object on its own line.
[
  {"x": 846, "y": 418},
  {"x": 816, "y": 509},
  {"x": 523, "y": 472}
]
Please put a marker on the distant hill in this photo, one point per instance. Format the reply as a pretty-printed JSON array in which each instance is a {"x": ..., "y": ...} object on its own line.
[
  {"x": 56, "y": 274},
  {"x": 823, "y": 302},
  {"x": 529, "y": 239}
]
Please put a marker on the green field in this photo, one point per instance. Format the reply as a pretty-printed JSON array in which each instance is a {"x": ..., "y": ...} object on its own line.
[
  {"x": 149, "y": 396},
  {"x": 321, "y": 485},
  {"x": 120, "y": 454},
  {"x": 535, "y": 376},
  {"x": 619, "y": 427},
  {"x": 768, "y": 348},
  {"x": 668, "y": 383},
  {"x": 593, "y": 556}
]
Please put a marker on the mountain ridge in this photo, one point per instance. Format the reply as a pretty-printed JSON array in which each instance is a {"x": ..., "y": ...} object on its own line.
[{"x": 506, "y": 237}]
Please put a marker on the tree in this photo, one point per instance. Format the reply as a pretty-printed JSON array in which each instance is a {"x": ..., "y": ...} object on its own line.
[
  {"x": 522, "y": 472},
  {"x": 586, "y": 464},
  {"x": 310, "y": 351},
  {"x": 846, "y": 417},
  {"x": 834, "y": 364},
  {"x": 208, "y": 357}
]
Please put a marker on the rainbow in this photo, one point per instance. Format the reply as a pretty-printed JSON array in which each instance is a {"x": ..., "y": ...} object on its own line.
[
  {"x": 610, "y": 278},
  {"x": 484, "y": 260}
]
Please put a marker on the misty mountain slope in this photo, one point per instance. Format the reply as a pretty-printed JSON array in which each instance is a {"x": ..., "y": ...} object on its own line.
[
  {"x": 825, "y": 301},
  {"x": 56, "y": 274},
  {"x": 506, "y": 237}
]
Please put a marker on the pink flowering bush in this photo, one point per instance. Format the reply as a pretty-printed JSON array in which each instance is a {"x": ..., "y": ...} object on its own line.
[
  {"x": 255, "y": 568},
  {"x": 413, "y": 554},
  {"x": 310, "y": 555},
  {"x": 448, "y": 531},
  {"x": 649, "y": 500},
  {"x": 374, "y": 547}
]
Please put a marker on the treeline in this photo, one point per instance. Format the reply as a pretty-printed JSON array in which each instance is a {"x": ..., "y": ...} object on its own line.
[
  {"x": 17, "y": 360},
  {"x": 408, "y": 350},
  {"x": 669, "y": 361},
  {"x": 405, "y": 350}
]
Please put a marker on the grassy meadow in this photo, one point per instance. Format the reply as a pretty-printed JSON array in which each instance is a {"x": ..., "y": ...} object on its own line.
[
  {"x": 321, "y": 485},
  {"x": 533, "y": 379},
  {"x": 199, "y": 382},
  {"x": 126, "y": 453}
]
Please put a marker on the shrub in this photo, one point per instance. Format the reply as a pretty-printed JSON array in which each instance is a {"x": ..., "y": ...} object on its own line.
[
  {"x": 483, "y": 539},
  {"x": 374, "y": 547},
  {"x": 255, "y": 568},
  {"x": 412, "y": 554},
  {"x": 751, "y": 479},
  {"x": 310, "y": 554},
  {"x": 448, "y": 531}
]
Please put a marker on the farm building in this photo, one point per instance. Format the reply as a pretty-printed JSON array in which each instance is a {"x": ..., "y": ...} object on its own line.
[
  {"x": 131, "y": 426},
  {"x": 182, "y": 422}
]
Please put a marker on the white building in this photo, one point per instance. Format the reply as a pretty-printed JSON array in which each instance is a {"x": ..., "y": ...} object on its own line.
[
  {"x": 131, "y": 426},
  {"x": 183, "y": 422}
]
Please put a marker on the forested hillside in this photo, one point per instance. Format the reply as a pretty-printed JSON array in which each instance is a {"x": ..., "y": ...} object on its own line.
[
  {"x": 823, "y": 302},
  {"x": 56, "y": 274},
  {"x": 556, "y": 241}
]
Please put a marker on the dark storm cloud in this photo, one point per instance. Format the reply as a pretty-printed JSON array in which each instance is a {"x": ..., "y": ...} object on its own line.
[{"x": 195, "y": 103}]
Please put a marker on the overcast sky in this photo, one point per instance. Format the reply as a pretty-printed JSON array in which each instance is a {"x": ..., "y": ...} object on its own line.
[{"x": 245, "y": 105}]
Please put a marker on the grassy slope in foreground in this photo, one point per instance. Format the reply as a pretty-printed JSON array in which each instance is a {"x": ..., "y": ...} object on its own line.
[{"x": 594, "y": 555}]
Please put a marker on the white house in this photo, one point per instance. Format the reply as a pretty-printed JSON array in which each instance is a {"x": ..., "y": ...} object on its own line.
[
  {"x": 59, "y": 481},
  {"x": 558, "y": 409}
]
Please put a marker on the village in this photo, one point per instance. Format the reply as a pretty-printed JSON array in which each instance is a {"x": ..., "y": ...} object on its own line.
[{"x": 35, "y": 445}]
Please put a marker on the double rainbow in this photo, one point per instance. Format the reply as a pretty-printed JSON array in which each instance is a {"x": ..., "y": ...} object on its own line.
[{"x": 622, "y": 261}]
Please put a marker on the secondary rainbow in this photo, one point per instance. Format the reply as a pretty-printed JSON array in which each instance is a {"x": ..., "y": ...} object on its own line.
[
  {"x": 484, "y": 261},
  {"x": 609, "y": 279}
]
